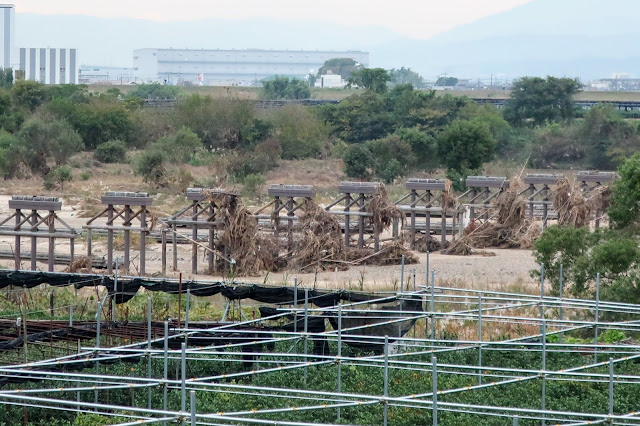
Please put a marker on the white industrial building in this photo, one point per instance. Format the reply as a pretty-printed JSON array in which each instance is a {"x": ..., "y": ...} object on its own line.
[
  {"x": 49, "y": 66},
  {"x": 230, "y": 67},
  {"x": 96, "y": 74},
  {"x": 7, "y": 31}
]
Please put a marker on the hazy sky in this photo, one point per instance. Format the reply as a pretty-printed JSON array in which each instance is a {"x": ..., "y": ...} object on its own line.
[{"x": 414, "y": 18}]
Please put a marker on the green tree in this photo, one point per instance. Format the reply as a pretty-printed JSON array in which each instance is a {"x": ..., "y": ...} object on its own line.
[
  {"x": 113, "y": 151},
  {"x": 218, "y": 122},
  {"x": 154, "y": 91},
  {"x": 151, "y": 166},
  {"x": 624, "y": 210},
  {"x": 97, "y": 120},
  {"x": 300, "y": 132},
  {"x": 535, "y": 101},
  {"x": 339, "y": 66},
  {"x": 285, "y": 88},
  {"x": 406, "y": 76},
  {"x": 583, "y": 254},
  {"x": 7, "y": 141},
  {"x": 256, "y": 131},
  {"x": 370, "y": 115},
  {"x": 40, "y": 140},
  {"x": 392, "y": 157},
  {"x": 6, "y": 78},
  {"x": 465, "y": 146},
  {"x": 374, "y": 79},
  {"x": 29, "y": 94},
  {"x": 423, "y": 145},
  {"x": 607, "y": 137},
  {"x": 10, "y": 119},
  {"x": 359, "y": 118},
  {"x": 358, "y": 162},
  {"x": 446, "y": 81},
  {"x": 178, "y": 147},
  {"x": 60, "y": 175}
]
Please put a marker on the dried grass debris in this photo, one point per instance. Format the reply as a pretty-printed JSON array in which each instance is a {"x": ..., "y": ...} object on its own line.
[
  {"x": 82, "y": 264},
  {"x": 321, "y": 239}
]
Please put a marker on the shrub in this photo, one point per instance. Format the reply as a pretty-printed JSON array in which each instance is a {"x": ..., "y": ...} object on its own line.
[
  {"x": 392, "y": 170},
  {"x": 150, "y": 165},
  {"x": 300, "y": 132},
  {"x": 201, "y": 157},
  {"x": 60, "y": 175},
  {"x": 465, "y": 146},
  {"x": 84, "y": 176},
  {"x": 285, "y": 88},
  {"x": 253, "y": 183},
  {"x": 179, "y": 146},
  {"x": 113, "y": 151},
  {"x": 357, "y": 162},
  {"x": 40, "y": 140}
]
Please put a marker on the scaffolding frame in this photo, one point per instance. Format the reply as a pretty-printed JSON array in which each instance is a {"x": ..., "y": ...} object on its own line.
[{"x": 483, "y": 311}]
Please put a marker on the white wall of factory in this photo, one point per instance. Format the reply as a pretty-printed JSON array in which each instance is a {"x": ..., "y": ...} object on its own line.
[
  {"x": 7, "y": 31},
  {"x": 49, "y": 66},
  {"x": 214, "y": 66}
]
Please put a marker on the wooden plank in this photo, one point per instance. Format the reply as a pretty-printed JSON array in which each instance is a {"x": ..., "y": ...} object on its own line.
[
  {"x": 542, "y": 178},
  {"x": 359, "y": 187},
  {"x": 198, "y": 194},
  {"x": 27, "y": 202},
  {"x": 596, "y": 177},
  {"x": 306, "y": 191},
  {"x": 426, "y": 184},
  {"x": 487, "y": 182},
  {"x": 118, "y": 198}
]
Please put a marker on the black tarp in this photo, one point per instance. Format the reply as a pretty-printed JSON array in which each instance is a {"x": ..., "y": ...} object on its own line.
[{"x": 127, "y": 288}]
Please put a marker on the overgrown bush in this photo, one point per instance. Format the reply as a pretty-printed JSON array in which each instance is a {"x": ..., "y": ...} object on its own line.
[
  {"x": 358, "y": 162},
  {"x": 300, "y": 132},
  {"x": 114, "y": 151},
  {"x": 40, "y": 140},
  {"x": 179, "y": 146},
  {"x": 151, "y": 166},
  {"x": 624, "y": 211},
  {"x": 583, "y": 254},
  {"x": 57, "y": 177},
  {"x": 285, "y": 88},
  {"x": 253, "y": 184}
]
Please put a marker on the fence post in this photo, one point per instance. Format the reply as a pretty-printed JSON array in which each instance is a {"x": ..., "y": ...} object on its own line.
[
  {"x": 165, "y": 368},
  {"x": 183, "y": 378},
  {"x": 386, "y": 379},
  {"x": 560, "y": 312},
  {"x": 543, "y": 337},
  {"x": 193, "y": 407},
  {"x": 306, "y": 328},
  {"x": 339, "y": 384},
  {"x": 595, "y": 340},
  {"x": 541, "y": 295},
  {"x": 149, "y": 350},
  {"x": 434, "y": 389},
  {"x": 611, "y": 386},
  {"x": 433, "y": 305},
  {"x": 480, "y": 339}
]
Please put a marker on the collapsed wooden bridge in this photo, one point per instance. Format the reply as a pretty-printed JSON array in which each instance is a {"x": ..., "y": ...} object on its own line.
[{"x": 429, "y": 216}]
